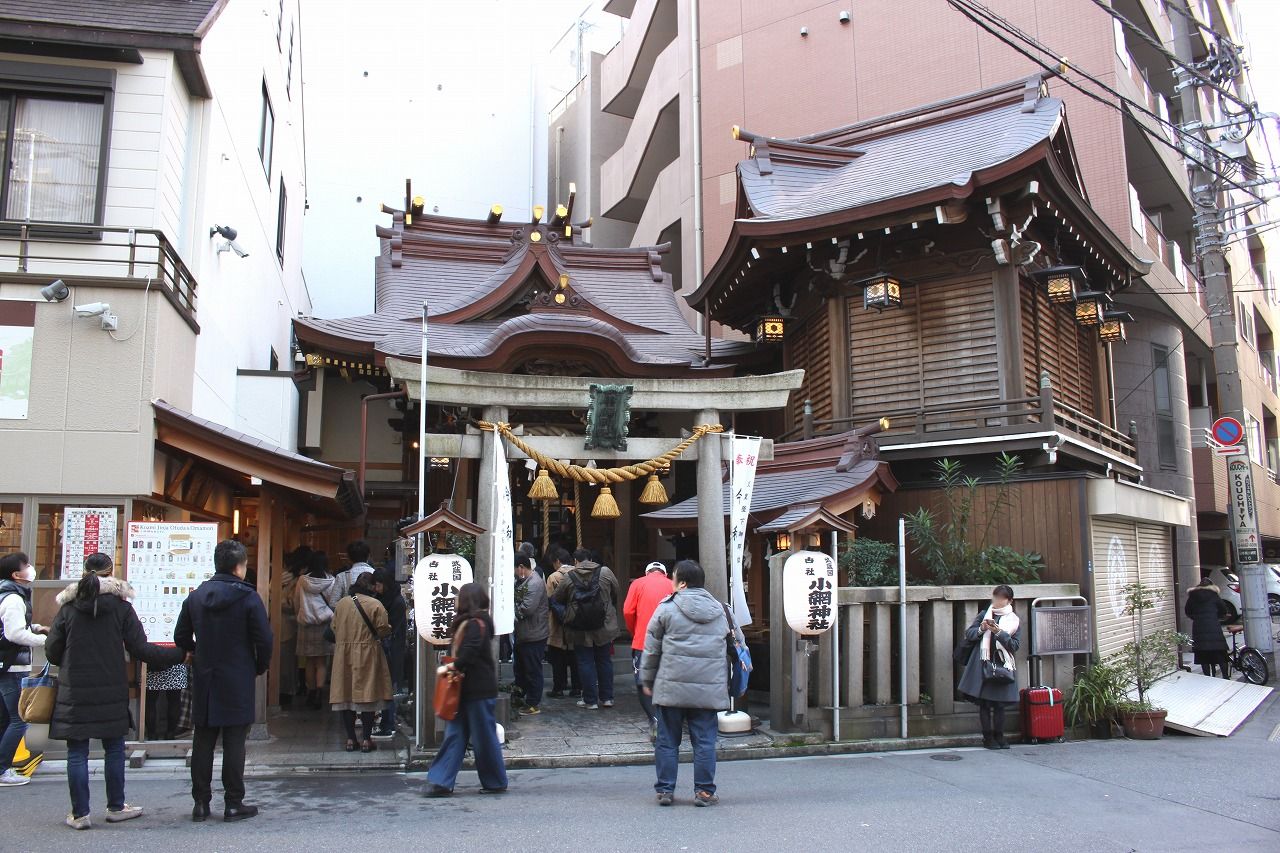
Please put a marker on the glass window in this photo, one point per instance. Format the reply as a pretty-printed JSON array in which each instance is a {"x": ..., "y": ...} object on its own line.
[
  {"x": 49, "y": 535},
  {"x": 1160, "y": 377},
  {"x": 1253, "y": 435},
  {"x": 282, "y": 209},
  {"x": 288, "y": 74},
  {"x": 53, "y": 146},
  {"x": 267, "y": 131},
  {"x": 10, "y": 527},
  {"x": 1166, "y": 446}
]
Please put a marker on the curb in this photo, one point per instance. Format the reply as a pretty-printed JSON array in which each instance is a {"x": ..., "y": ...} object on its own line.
[{"x": 418, "y": 761}]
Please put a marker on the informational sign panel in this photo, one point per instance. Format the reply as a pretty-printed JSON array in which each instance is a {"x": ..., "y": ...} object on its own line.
[
  {"x": 166, "y": 560},
  {"x": 1062, "y": 630},
  {"x": 742, "y": 481},
  {"x": 436, "y": 582},
  {"x": 86, "y": 531},
  {"x": 809, "y": 589},
  {"x": 1243, "y": 512},
  {"x": 502, "y": 580}
]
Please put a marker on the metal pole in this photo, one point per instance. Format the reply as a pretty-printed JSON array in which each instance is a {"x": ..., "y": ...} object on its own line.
[
  {"x": 835, "y": 640},
  {"x": 419, "y": 709},
  {"x": 902, "y": 622},
  {"x": 695, "y": 120}
]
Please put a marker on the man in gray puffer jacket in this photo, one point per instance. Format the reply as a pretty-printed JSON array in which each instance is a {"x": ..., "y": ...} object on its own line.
[{"x": 685, "y": 668}]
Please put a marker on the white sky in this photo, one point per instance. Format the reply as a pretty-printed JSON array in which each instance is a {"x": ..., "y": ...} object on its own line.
[
  {"x": 450, "y": 93},
  {"x": 438, "y": 91}
]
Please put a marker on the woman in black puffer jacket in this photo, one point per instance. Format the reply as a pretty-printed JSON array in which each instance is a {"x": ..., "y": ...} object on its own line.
[
  {"x": 1207, "y": 612},
  {"x": 94, "y": 627}
]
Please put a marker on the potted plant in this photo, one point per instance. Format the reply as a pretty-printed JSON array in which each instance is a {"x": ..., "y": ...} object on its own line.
[
  {"x": 1143, "y": 662},
  {"x": 1095, "y": 699}
]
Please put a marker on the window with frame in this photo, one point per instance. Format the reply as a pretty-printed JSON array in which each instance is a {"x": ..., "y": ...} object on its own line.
[
  {"x": 1246, "y": 322},
  {"x": 1253, "y": 438},
  {"x": 1166, "y": 446},
  {"x": 282, "y": 210},
  {"x": 55, "y": 144},
  {"x": 266, "y": 132}
]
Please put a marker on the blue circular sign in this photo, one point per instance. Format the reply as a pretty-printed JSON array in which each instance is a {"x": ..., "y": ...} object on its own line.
[{"x": 1227, "y": 431}]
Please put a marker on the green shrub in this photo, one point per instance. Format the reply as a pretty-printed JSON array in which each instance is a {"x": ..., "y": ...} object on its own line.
[{"x": 870, "y": 562}]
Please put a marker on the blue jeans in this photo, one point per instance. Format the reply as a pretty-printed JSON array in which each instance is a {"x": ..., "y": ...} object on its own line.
[
  {"x": 595, "y": 668},
  {"x": 11, "y": 726},
  {"x": 645, "y": 701},
  {"x": 529, "y": 676},
  {"x": 78, "y": 774},
  {"x": 475, "y": 724},
  {"x": 703, "y": 729}
]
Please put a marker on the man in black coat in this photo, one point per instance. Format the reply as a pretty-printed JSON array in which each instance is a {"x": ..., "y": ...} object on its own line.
[{"x": 224, "y": 623}]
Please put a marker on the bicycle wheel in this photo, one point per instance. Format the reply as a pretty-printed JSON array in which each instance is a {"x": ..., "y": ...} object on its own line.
[{"x": 1253, "y": 665}]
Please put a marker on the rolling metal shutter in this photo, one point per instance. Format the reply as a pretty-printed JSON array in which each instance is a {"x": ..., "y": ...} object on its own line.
[{"x": 1123, "y": 553}]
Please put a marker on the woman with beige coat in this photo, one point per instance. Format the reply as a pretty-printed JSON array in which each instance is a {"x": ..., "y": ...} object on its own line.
[{"x": 360, "y": 682}]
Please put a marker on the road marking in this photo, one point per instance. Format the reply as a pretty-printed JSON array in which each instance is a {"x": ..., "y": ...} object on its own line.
[{"x": 1275, "y": 734}]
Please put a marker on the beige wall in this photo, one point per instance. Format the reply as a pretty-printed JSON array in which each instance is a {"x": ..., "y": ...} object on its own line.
[
  {"x": 340, "y": 428},
  {"x": 89, "y": 428}
]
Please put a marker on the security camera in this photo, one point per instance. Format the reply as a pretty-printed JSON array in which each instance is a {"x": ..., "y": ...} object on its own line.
[
  {"x": 232, "y": 246},
  {"x": 804, "y": 32},
  {"x": 92, "y": 309},
  {"x": 225, "y": 231},
  {"x": 845, "y": 17},
  {"x": 55, "y": 291}
]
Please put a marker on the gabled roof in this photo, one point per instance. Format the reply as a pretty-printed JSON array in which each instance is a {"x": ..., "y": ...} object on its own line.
[
  {"x": 169, "y": 17},
  {"x": 499, "y": 294},
  {"x": 797, "y": 191},
  {"x": 94, "y": 27}
]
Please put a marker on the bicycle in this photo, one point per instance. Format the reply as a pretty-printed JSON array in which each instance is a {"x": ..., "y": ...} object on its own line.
[{"x": 1249, "y": 662}]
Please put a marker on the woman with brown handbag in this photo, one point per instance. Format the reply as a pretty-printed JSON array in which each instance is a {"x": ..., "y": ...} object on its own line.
[{"x": 472, "y": 631}]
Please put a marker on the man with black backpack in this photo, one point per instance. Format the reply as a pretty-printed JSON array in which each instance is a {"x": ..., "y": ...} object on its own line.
[{"x": 587, "y": 605}]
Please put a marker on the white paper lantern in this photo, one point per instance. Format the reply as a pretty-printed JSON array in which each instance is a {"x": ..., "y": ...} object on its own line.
[
  {"x": 436, "y": 581},
  {"x": 809, "y": 592}
]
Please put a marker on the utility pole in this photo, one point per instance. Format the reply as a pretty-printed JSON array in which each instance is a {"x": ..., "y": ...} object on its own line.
[{"x": 1224, "y": 329}]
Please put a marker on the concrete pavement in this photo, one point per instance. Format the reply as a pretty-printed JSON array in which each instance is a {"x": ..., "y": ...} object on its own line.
[{"x": 1180, "y": 793}]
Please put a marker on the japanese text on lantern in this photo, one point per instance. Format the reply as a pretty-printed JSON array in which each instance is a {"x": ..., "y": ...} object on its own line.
[{"x": 436, "y": 582}]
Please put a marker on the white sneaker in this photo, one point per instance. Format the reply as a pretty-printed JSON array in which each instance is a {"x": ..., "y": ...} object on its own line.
[
  {"x": 12, "y": 778},
  {"x": 127, "y": 812},
  {"x": 608, "y": 703},
  {"x": 77, "y": 822},
  {"x": 582, "y": 704}
]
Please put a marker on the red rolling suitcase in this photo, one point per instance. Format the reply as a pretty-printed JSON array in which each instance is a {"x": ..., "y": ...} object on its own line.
[{"x": 1042, "y": 718}]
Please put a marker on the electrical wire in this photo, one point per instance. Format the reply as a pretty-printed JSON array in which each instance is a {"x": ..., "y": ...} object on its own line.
[
  {"x": 1173, "y": 57},
  {"x": 979, "y": 15}
]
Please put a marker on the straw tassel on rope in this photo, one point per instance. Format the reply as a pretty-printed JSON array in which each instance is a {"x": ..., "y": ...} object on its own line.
[
  {"x": 606, "y": 505},
  {"x": 543, "y": 488},
  {"x": 653, "y": 492}
]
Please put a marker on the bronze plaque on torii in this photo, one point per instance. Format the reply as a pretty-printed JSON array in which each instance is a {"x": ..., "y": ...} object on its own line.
[{"x": 608, "y": 417}]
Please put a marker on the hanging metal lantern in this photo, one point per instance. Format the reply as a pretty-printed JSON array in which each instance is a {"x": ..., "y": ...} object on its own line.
[
  {"x": 1090, "y": 307},
  {"x": 1063, "y": 284},
  {"x": 1112, "y": 328},
  {"x": 771, "y": 329},
  {"x": 881, "y": 291}
]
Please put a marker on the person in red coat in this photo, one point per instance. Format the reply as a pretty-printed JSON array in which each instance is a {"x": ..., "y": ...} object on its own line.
[{"x": 643, "y": 598}]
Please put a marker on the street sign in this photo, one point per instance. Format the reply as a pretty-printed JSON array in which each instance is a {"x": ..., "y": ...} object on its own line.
[
  {"x": 1243, "y": 512},
  {"x": 1228, "y": 431},
  {"x": 1227, "y": 450}
]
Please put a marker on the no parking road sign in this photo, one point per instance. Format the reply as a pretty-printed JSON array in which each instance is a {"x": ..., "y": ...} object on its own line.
[{"x": 1227, "y": 431}]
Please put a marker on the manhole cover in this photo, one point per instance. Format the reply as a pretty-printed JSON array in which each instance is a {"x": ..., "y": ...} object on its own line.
[{"x": 947, "y": 756}]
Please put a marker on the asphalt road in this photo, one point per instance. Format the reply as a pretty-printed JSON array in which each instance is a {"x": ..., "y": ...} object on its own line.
[{"x": 1180, "y": 793}]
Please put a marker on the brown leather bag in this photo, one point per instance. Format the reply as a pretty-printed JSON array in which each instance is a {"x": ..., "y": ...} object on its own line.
[{"x": 448, "y": 693}]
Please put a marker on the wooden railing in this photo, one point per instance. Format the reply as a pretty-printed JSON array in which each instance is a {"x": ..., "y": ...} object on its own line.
[
  {"x": 871, "y": 664},
  {"x": 982, "y": 419},
  {"x": 90, "y": 253}
]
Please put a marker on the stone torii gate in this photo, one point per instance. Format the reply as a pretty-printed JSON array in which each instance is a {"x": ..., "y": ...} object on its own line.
[{"x": 496, "y": 394}]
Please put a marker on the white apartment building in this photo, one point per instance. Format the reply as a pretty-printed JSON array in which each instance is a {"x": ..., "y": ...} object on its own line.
[{"x": 156, "y": 166}]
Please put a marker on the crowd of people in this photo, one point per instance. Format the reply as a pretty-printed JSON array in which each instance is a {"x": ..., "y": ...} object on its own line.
[{"x": 343, "y": 644}]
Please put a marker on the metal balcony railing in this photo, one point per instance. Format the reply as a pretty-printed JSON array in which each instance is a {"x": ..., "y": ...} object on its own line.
[{"x": 86, "y": 253}]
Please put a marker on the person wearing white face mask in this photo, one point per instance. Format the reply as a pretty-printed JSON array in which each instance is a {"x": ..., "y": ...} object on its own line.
[{"x": 18, "y": 636}]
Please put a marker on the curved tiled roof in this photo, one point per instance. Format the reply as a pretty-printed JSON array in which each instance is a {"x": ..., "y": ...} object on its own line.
[{"x": 898, "y": 164}]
